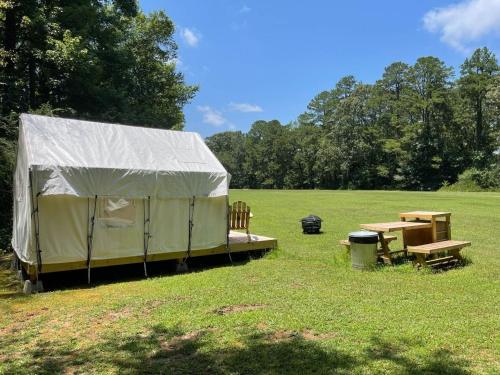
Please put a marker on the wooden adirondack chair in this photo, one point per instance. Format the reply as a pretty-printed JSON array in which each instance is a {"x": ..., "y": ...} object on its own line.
[{"x": 239, "y": 217}]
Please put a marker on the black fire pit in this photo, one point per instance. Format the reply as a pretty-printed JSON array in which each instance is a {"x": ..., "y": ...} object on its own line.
[{"x": 311, "y": 224}]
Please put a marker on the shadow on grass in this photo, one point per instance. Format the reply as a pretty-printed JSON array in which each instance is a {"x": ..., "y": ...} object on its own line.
[
  {"x": 172, "y": 351},
  {"x": 10, "y": 286},
  {"x": 441, "y": 361},
  {"x": 464, "y": 262}
]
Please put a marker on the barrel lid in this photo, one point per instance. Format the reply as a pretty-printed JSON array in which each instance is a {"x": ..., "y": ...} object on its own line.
[{"x": 363, "y": 236}]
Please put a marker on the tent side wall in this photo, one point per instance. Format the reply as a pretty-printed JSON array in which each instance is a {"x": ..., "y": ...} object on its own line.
[
  {"x": 22, "y": 224},
  {"x": 119, "y": 226},
  {"x": 68, "y": 162}
]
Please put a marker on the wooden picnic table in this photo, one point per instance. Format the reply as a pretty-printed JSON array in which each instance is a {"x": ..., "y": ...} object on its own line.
[
  {"x": 393, "y": 226},
  {"x": 427, "y": 234}
]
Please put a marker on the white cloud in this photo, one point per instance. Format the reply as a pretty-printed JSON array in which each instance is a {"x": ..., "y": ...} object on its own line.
[
  {"x": 191, "y": 37},
  {"x": 211, "y": 116},
  {"x": 465, "y": 22},
  {"x": 245, "y": 9},
  {"x": 245, "y": 107},
  {"x": 175, "y": 61}
]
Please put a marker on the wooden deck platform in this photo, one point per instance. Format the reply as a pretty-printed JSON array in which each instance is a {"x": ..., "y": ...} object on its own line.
[{"x": 238, "y": 242}]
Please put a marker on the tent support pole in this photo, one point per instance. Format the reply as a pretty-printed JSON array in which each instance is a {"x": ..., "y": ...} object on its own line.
[
  {"x": 190, "y": 228},
  {"x": 228, "y": 229},
  {"x": 90, "y": 237},
  {"x": 147, "y": 235},
  {"x": 36, "y": 223}
]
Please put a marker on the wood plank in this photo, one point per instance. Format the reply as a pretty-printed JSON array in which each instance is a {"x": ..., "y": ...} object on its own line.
[
  {"x": 424, "y": 215},
  {"x": 442, "y": 236},
  {"x": 234, "y": 214},
  {"x": 417, "y": 237},
  {"x": 441, "y": 226},
  {"x": 386, "y": 259},
  {"x": 395, "y": 226},
  {"x": 438, "y": 247},
  {"x": 438, "y": 261},
  {"x": 238, "y": 214},
  {"x": 389, "y": 237}
]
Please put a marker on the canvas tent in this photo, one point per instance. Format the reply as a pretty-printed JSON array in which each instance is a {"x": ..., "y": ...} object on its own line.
[{"x": 87, "y": 191}]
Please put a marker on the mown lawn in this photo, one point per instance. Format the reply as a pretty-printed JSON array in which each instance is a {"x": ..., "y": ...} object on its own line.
[{"x": 298, "y": 310}]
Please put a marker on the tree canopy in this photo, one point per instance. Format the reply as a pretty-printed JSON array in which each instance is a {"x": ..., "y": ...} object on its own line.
[
  {"x": 91, "y": 59},
  {"x": 101, "y": 60},
  {"x": 417, "y": 128}
]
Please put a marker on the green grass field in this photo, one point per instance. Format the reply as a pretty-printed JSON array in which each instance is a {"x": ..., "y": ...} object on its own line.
[{"x": 299, "y": 310}]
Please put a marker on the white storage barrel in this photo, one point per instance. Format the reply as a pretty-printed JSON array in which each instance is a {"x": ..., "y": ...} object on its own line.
[{"x": 363, "y": 249}]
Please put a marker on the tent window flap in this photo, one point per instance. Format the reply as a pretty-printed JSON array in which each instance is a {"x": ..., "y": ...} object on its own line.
[{"x": 117, "y": 212}]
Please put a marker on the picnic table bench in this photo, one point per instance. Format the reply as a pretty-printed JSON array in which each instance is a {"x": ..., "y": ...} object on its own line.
[{"x": 452, "y": 248}]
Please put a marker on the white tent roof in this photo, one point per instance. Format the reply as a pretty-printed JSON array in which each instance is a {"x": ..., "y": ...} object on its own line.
[{"x": 84, "y": 158}]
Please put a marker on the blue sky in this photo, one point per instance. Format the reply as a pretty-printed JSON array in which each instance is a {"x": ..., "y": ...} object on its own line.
[{"x": 267, "y": 59}]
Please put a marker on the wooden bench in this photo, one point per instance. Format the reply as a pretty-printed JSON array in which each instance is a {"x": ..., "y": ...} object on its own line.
[
  {"x": 347, "y": 244},
  {"x": 452, "y": 247}
]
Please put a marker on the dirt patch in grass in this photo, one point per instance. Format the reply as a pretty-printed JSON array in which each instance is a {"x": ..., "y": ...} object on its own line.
[
  {"x": 108, "y": 319},
  {"x": 262, "y": 326},
  {"x": 117, "y": 315},
  {"x": 177, "y": 342},
  {"x": 282, "y": 335},
  {"x": 21, "y": 320},
  {"x": 313, "y": 336},
  {"x": 70, "y": 370},
  {"x": 152, "y": 305},
  {"x": 238, "y": 308},
  {"x": 132, "y": 311},
  {"x": 285, "y": 335}
]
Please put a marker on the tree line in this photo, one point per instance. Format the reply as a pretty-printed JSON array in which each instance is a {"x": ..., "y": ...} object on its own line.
[
  {"x": 97, "y": 60},
  {"x": 416, "y": 128}
]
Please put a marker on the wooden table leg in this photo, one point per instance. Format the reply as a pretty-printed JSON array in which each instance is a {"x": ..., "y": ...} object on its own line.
[
  {"x": 434, "y": 229},
  {"x": 420, "y": 261},
  {"x": 456, "y": 254},
  {"x": 385, "y": 248},
  {"x": 404, "y": 237},
  {"x": 405, "y": 246}
]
